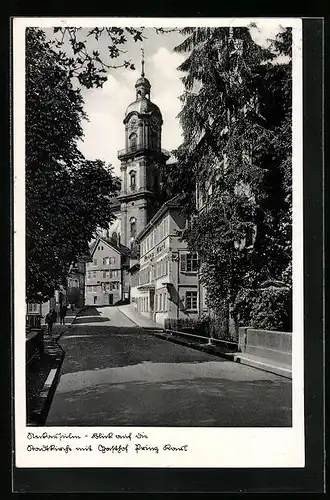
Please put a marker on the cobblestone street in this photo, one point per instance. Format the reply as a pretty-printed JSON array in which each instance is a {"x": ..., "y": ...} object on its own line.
[{"x": 117, "y": 374}]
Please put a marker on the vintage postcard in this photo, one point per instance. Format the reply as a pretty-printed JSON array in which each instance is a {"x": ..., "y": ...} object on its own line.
[{"x": 158, "y": 187}]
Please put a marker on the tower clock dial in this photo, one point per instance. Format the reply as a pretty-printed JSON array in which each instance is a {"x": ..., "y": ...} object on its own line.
[{"x": 132, "y": 126}]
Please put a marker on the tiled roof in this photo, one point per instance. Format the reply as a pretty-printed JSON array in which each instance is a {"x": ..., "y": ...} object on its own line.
[{"x": 172, "y": 203}]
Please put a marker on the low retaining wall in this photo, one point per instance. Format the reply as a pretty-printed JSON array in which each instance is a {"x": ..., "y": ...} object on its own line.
[
  {"x": 269, "y": 344},
  {"x": 34, "y": 344}
]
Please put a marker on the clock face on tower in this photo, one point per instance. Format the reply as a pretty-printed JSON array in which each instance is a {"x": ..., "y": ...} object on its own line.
[
  {"x": 132, "y": 126},
  {"x": 154, "y": 123}
]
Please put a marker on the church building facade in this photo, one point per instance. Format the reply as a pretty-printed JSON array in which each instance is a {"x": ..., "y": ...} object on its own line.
[
  {"x": 140, "y": 161},
  {"x": 156, "y": 272}
]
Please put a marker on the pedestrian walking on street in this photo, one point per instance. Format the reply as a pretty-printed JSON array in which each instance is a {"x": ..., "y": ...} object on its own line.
[
  {"x": 50, "y": 320},
  {"x": 62, "y": 315}
]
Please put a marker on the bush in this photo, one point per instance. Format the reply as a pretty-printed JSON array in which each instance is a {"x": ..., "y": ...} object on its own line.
[
  {"x": 267, "y": 308},
  {"x": 195, "y": 326},
  {"x": 206, "y": 326}
]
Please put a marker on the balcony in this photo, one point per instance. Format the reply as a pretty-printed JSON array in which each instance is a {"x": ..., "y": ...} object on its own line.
[{"x": 140, "y": 149}]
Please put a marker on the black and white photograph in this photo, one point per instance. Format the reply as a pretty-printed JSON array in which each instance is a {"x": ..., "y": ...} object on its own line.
[{"x": 160, "y": 285}]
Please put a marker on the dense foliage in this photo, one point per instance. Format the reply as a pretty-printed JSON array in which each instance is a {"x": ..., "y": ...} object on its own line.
[
  {"x": 87, "y": 65},
  {"x": 236, "y": 119},
  {"x": 67, "y": 197},
  {"x": 267, "y": 308}
]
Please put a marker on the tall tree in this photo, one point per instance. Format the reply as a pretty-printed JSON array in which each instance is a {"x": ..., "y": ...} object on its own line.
[
  {"x": 81, "y": 57},
  {"x": 67, "y": 197},
  {"x": 236, "y": 108}
]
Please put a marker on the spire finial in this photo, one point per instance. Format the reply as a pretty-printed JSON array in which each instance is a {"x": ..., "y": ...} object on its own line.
[{"x": 142, "y": 62}]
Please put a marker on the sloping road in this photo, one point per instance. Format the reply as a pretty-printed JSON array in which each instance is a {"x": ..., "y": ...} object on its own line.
[{"x": 114, "y": 373}]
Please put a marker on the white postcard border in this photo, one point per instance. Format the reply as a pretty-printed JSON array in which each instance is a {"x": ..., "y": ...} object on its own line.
[{"x": 207, "y": 447}]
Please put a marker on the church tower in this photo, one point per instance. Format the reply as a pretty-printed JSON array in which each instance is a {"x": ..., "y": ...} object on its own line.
[{"x": 139, "y": 162}]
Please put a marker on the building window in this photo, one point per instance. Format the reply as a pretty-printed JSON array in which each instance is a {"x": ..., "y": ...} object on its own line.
[
  {"x": 114, "y": 285},
  {"x": 114, "y": 236},
  {"x": 161, "y": 302},
  {"x": 144, "y": 276},
  {"x": 161, "y": 268},
  {"x": 33, "y": 307},
  {"x": 108, "y": 260},
  {"x": 95, "y": 262},
  {"x": 133, "y": 227},
  {"x": 188, "y": 262},
  {"x": 133, "y": 141},
  {"x": 191, "y": 301},
  {"x": 94, "y": 274}
]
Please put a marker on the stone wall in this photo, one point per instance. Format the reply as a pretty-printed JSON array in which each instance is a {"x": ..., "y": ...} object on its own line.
[{"x": 273, "y": 345}]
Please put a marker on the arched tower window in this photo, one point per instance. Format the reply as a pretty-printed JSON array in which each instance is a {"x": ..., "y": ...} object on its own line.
[
  {"x": 132, "y": 176},
  {"x": 133, "y": 141},
  {"x": 133, "y": 227}
]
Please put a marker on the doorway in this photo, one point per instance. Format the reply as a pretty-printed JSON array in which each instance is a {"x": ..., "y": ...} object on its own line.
[{"x": 110, "y": 299}]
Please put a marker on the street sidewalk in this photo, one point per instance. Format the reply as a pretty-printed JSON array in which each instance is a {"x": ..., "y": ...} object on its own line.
[
  {"x": 42, "y": 375},
  {"x": 137, "y": 318},
  {"x": 265, "y": 364}
]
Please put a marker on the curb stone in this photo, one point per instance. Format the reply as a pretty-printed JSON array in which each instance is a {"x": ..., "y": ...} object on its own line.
[{"x": 234, "y": 357}]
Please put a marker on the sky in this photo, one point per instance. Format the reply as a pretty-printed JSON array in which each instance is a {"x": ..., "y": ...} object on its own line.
[{"x": 104, "y": 131}]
